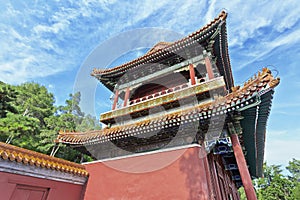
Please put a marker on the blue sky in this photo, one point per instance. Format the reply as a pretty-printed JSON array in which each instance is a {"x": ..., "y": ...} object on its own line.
[{"x": 52, "y": 43}]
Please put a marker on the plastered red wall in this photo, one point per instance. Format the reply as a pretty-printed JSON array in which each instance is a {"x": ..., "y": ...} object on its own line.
[
  {"x": 56, "y": 190},
  {"x": 179, "y": 174}
]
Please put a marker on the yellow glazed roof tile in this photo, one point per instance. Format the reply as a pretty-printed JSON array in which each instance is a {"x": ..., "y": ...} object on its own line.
[{"x": 27, "y": 157}]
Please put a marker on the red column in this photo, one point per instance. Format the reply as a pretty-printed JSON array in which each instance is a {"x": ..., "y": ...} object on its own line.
[
  {"x": 243, "y": 169},
  {"x": 192, "y": 74},
  {"x": 209, "y": 68},
  {"x": 115, "y": 100},
  {"x": 126, "y": 96}
]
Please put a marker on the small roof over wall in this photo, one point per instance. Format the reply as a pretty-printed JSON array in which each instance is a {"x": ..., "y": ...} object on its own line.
[{"x": 26, "y": 162}]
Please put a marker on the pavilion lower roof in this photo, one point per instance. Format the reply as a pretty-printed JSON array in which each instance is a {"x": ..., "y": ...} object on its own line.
[
  {"x": 212, "y": 37},
  {"x": 240, "y": 97},
  {"x": 254, "y": 133}
]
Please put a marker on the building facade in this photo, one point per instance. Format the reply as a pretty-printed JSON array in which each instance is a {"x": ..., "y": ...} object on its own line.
[{"x": 179, "y": 128}]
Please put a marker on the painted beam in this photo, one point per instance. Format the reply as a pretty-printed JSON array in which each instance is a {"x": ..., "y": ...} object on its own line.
[{"x": 161, "y": 73}]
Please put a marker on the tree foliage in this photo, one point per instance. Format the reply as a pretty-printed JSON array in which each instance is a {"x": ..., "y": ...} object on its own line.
[
  {"x": 30, "y": 119},
  {"x": 275, "y": 185},
  {"x": 294, "y": 169},
  {"x": 7, "y": 97}
]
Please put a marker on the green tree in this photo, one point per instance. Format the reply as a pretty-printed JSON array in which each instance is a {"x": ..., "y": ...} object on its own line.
[
  {"x": 294, "y": 169},
  {"x": 296, "y": 191},
  {"x": 242, "y": 193},
  {"x": 30, "y": 120},
  {"x": 20, "y": 130},
  {"x": 23, "y": 116},
  {"x": 88, "y": 122},
  {"x": 34, "y": 100},
  {"x": 274, "y": 185},
  {"x": 7, "y": 97},
  {"x": 68, "y": 118}
]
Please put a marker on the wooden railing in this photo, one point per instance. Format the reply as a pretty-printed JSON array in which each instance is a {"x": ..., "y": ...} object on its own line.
[{"x": 166, "y": 96}]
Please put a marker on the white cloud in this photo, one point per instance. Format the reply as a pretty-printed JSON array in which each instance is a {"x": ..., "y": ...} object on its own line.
[
  {"x": 211, "y": 11},
  {"x": 44, "y": 39},
  {"x": 55, "y": 28},
  {"x": 41, "y": 40},
  {"x": 277, "y": 132},
  {"x": 284, "y": 105},
  {"x": 281, "y": 151},
  {"x": 256, "y": 28},
  {"x": 50, "y": 86},
  {"x": 282, "y": 145}
]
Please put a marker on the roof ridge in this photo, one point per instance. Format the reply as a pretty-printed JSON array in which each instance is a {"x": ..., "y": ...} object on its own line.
[{"x": 222, "y": 16}]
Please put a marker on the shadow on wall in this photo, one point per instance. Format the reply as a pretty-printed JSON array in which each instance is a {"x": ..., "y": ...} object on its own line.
[{"x": 192, "y": 166}]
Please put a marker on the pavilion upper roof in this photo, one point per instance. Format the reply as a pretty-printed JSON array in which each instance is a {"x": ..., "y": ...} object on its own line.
[
  {"x": 212, "y": 37},
  {"x": 158, "y": 46}
]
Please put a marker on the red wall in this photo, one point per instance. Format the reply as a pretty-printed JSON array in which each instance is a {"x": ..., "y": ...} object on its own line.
[
  {"x": 9, "y": 184},
  {"x": 178, "y": 174}
]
